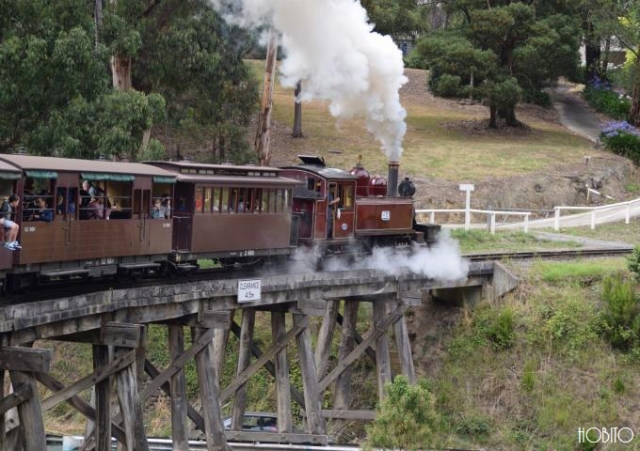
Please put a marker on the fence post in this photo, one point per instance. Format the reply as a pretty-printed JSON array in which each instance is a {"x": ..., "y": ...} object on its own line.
[
  {"x": 556, "y": 219},
  {"x": 593, "y": 219},
  {"x": 492, "y": 224},
  {"x": 627, "y": 213},
  {"x": 526, "y": 223},
  {"x": 432, "y": 217}
]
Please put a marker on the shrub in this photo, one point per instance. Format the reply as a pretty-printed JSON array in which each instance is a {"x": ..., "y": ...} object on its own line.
[
  {"x": 622, "y": 139},
  {"x": 447, "y": 85},
  {"x": 633, "y": 263},
  {"x": 501, "y": 331},
  {"x": 621, "y": 316},
  {"x": 473, "y": 426},
  {"x": 601, "y": 97},
  {"x": 406, "y": 419}
]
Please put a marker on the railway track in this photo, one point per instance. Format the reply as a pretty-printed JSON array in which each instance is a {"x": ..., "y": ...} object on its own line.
[
  {"x": 66, "y": 289},
  {"x": 550, "y": 254}
]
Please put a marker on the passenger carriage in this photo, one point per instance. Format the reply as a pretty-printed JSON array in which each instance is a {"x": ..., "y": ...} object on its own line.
[
  {"x": 124, "y": 240},
  {"x": 230, "y": 213}
]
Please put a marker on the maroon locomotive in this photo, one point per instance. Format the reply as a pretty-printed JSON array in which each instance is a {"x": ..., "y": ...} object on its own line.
[
  {"x": 81, "y": 218},
  {"x": 365, "y": 214}
]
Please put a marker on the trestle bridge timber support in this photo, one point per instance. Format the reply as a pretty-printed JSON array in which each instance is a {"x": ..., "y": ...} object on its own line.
[{"x": 114, "y": 323}]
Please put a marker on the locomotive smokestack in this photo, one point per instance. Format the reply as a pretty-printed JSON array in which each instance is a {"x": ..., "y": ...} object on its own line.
[{"x": 392, "y": 184}]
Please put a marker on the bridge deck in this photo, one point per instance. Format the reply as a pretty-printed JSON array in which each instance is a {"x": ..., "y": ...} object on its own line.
[{"x": 56, "y": 317}]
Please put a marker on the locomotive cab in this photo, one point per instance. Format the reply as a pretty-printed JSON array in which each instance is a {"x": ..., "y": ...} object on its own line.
[{"x": 319, "y": 218}]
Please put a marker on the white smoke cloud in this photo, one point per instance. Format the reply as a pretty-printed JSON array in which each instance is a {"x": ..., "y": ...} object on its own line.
[
  {"x": 330, "y": 46},
  {"x": 442, "y": 261}
]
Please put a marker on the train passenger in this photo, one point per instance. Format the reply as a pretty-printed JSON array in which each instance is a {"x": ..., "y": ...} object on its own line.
[
  {"x": 166, "y": 205},
  {"x": 60, "y": 204},
  {"x": 95, "y": 209},
  {"x": 42, "y": 213},
  {"x": 11, "y": 229},
  {"x": 157, "y": 212},
  {"x": 89, "y": 188},
  {"x": 182, "y": 204},
  {"x": 84, "y": 203}
]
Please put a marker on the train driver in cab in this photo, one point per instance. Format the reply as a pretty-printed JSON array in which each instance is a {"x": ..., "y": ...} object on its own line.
[{"x": 331, "y": 205}]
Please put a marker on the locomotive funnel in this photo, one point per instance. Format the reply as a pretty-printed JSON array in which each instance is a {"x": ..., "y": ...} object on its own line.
[{"x": 392, "y": 185}]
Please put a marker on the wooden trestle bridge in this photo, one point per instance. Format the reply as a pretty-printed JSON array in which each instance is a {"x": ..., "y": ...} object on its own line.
[{"x": 114, "y": 322}]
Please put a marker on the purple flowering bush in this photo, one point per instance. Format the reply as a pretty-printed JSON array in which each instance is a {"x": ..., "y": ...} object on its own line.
[
  {"x": 599, "y": 95},
  {"x": 622, "y": 138}
]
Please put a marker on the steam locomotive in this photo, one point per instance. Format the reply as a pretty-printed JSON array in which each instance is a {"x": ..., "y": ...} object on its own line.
[{"x": 229, "y": 213}]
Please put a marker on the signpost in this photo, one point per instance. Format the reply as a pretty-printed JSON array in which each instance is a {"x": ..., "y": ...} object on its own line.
[
  {"x": 249, "y": 290},
  {"x": 467, "y": 187}
]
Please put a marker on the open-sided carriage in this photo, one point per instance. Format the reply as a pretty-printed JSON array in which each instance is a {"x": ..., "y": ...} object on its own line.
[{"x": 125, "y": 239}]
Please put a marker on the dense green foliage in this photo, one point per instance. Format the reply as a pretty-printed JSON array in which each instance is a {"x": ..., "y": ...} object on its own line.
[
  {"x": 56, "y": 91},
  {"x": 607, "y": 101},
  {"x": 622, "y": 139},
  {"x": 501, "y": 53},
  {"x": 620, "y": 20},
  {"x": 406, "y": 419},
  {"x": 396, "y": 17},
  {"x": 621, "y": 316}
]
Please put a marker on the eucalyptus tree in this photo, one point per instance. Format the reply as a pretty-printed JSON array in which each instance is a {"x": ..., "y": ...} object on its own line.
[
  {"x": 501, "y": 51},
  {"x": 57, "y": 95},
  {"x": 55, "y": 92},
  {"x": 195, "y": 60}
]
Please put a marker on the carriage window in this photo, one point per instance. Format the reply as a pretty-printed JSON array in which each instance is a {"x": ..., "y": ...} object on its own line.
[
  {"x": 207, "y": 200},
  {"x": 257, "y": 201},
  {"x": 287, "y": 200},
  {"x": 215, "y": 203},
  {"x": 199, "y": 201},
  {"x": 251, "y": 200},
  {"x": 224, "y": 206},
  {"x": 243, "y": 201},
  {"x": 348, "y": 196},
  {"x": 66, "y": 203},
  {"x": 311, "y": 184},
  {"x": 272, "y": 201},
  {"x": 37, "y": 188},
  {"x": 233, "y": 200}
]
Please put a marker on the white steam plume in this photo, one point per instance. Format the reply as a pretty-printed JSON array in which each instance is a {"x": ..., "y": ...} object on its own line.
[
  {"x": 442, "y": 261},
  {"x": 330, "y": 46}
]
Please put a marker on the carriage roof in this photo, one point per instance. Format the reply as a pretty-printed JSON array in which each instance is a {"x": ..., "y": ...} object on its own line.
[
  {"x": 38, "y": 163},
  {"x": 225, "y": 174}
]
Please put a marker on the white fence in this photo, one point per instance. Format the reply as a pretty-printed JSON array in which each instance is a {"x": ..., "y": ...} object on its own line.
[
  {"x": 490, "y": 214},
  {"x": 606, "y": 213},
  {"x": 589, "y": 216}
]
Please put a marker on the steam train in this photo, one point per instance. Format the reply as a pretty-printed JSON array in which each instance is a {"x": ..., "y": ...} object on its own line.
[{"x": 229, "y": 213}]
